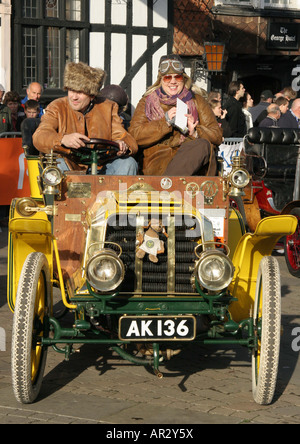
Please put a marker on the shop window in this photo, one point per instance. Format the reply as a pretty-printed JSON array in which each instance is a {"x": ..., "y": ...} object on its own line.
[
  {"x": 73, "y": 10},
  {"x": 30, "y": 8},
  {"x": 51, "y": 8}
]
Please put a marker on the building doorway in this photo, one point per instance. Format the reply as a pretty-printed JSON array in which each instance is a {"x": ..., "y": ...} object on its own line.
[{"x": 258, "y": 83}]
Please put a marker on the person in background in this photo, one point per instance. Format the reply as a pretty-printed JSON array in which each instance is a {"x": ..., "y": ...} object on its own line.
[
  {"x": 221, "y": 117},
  {"x": 168, "y": 149},
  {"x": 289, "y": 94},
  {"x": 70, "y": 122},
  {"x": 2, "y": 92},
  {"x": 34, "y": 92},
  {"x": 32, "y": 109},
  {"x": 247, "y": 103},
  {"x": 266, "y": 98},
  {"x": 29, "y": 126},
  {"x": 235, "y": 115},
  {"x": 291, "y": 119},
  {"x": 13, "y": 101},
  {"x": 214, "y": 95},
  {"x": 273, "y": 115},
  {"x": 283, "y": 104},
  {"x": 5, "y": 119}
]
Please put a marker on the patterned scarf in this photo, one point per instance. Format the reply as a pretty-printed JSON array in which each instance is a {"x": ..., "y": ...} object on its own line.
[{"x": 154, "y": 110}]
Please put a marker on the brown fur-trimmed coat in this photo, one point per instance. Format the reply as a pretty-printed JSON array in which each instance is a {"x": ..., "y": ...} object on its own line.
[
  {"x": 59, "y": 119},
  {"x": 160, "y": 142}
]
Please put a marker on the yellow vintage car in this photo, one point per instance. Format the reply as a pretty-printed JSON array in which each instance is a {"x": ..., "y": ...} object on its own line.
[{"x": 143, "y": 263}]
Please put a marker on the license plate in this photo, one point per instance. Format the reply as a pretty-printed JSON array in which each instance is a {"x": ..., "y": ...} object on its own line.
[{"x": 157, "y": 328}]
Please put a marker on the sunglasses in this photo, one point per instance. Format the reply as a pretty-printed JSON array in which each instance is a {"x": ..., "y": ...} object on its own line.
[
  {"x": 177, "y": 77},
  {"x": 175, "y": 64}
]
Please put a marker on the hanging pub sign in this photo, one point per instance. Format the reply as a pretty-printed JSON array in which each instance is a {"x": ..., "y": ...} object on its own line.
[{"x": 283, "y": 36}]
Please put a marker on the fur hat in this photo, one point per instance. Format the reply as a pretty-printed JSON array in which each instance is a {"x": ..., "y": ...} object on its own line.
[{"x": 81, "y": 77}]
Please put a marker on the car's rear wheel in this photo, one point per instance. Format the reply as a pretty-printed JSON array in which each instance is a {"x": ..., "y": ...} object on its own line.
[
  {"x": 292, "y": 247},
  {"x": 30, "y": 325},
  {"x": 267, "y": 324}
]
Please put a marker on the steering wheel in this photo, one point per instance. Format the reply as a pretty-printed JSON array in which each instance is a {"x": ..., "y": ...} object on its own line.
[{"x": 96, "y": 152}]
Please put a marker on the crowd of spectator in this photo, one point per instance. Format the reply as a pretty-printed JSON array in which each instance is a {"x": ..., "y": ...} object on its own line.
[
  {"x": 280, "y": 110},
  {"x": 13, "y": 110}
]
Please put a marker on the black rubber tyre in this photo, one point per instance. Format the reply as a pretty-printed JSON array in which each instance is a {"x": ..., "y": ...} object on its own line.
[
  {"x": 267, "y": 322},
  {"x": 29, "y": 326}
]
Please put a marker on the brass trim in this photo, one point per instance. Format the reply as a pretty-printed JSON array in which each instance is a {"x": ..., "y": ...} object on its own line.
[
  {"x": 171, "y": 256},
  {"x": 210, "y": 190},
  {"x": 140, "y": 222},
  {"x": 80, "y": 190}
]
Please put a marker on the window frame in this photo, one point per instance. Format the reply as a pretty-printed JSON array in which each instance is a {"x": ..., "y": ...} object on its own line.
[{"x": 41, "y": 24}]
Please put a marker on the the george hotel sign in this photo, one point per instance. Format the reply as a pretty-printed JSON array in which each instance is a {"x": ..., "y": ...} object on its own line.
[{"x": 283, "y": 36}]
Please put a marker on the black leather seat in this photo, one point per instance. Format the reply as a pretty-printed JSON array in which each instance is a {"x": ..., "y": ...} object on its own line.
[
  {"x": 272, "y": 155},
  {"x": 28, "y": 127},
  {"x": 282, "y": 136}
]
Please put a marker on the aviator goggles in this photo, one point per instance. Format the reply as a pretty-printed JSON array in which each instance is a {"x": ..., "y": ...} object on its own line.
[
  {"x": 167, "y": 64},
  {"x": 169, "y": 77}
]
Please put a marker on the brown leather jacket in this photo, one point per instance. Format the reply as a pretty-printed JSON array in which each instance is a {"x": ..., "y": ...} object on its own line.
[
  {"x": 161, "y": 142},
  {"x": 59, "y": 119}
]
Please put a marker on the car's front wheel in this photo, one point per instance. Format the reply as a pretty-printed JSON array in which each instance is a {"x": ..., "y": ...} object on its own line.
[
  {"x": 267, "y": 325},
  {"x": 30, "y": 325}
]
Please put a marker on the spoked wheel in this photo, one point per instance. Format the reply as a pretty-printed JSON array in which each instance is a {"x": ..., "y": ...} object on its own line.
[
  {"x": 30, "y": 325},
  {"x": 267, "y": 324},
  {"x": 292, "y": 248}
]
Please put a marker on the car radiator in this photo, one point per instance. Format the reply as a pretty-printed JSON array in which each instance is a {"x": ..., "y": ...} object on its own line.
[{"x": 172, "y": 274}]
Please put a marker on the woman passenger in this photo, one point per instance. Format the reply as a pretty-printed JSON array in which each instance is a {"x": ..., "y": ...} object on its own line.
[{"x": 167, "y": 149}]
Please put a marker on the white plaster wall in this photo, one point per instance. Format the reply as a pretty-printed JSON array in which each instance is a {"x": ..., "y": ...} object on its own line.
[
  {"x": 97, "y": 40},
  {"x": 5, "y": 44},
  {"x": 118, "y": 41},
  {"x": 160, "y": 13},
  {"x": 97, "y": 11},
  {"x": 139, "y": 46},
  {"x": 118, "y": 58},
  {"x": 140, "y": 13},
  {"x": 119, "y": 12}
]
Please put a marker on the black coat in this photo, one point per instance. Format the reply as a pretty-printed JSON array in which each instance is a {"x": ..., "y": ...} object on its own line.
[
  {"x": 268, "y": 122},
  {"x": 288, "y": 120},
  {"x": 235, "y": 117},
  {"x": 224, "y": 125}
]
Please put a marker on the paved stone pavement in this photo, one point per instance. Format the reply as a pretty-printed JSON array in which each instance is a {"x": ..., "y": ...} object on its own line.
[{"x": 205, "y": 385}]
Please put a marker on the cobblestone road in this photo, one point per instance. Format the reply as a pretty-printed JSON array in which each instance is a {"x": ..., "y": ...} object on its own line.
[{"x": 206, "y": 385}]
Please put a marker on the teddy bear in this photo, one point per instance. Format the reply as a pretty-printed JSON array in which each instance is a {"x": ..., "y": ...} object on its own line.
[{"x": 149, "y": 241}]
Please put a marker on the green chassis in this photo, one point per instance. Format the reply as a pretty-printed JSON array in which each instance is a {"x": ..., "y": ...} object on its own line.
[{"x": 223, "y": 330}]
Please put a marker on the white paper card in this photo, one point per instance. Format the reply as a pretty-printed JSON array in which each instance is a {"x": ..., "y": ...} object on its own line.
[{"x": 181, "y": 119}]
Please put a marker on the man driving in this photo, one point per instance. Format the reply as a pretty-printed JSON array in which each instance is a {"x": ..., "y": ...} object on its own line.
[{"x": 70, "y": 122}]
